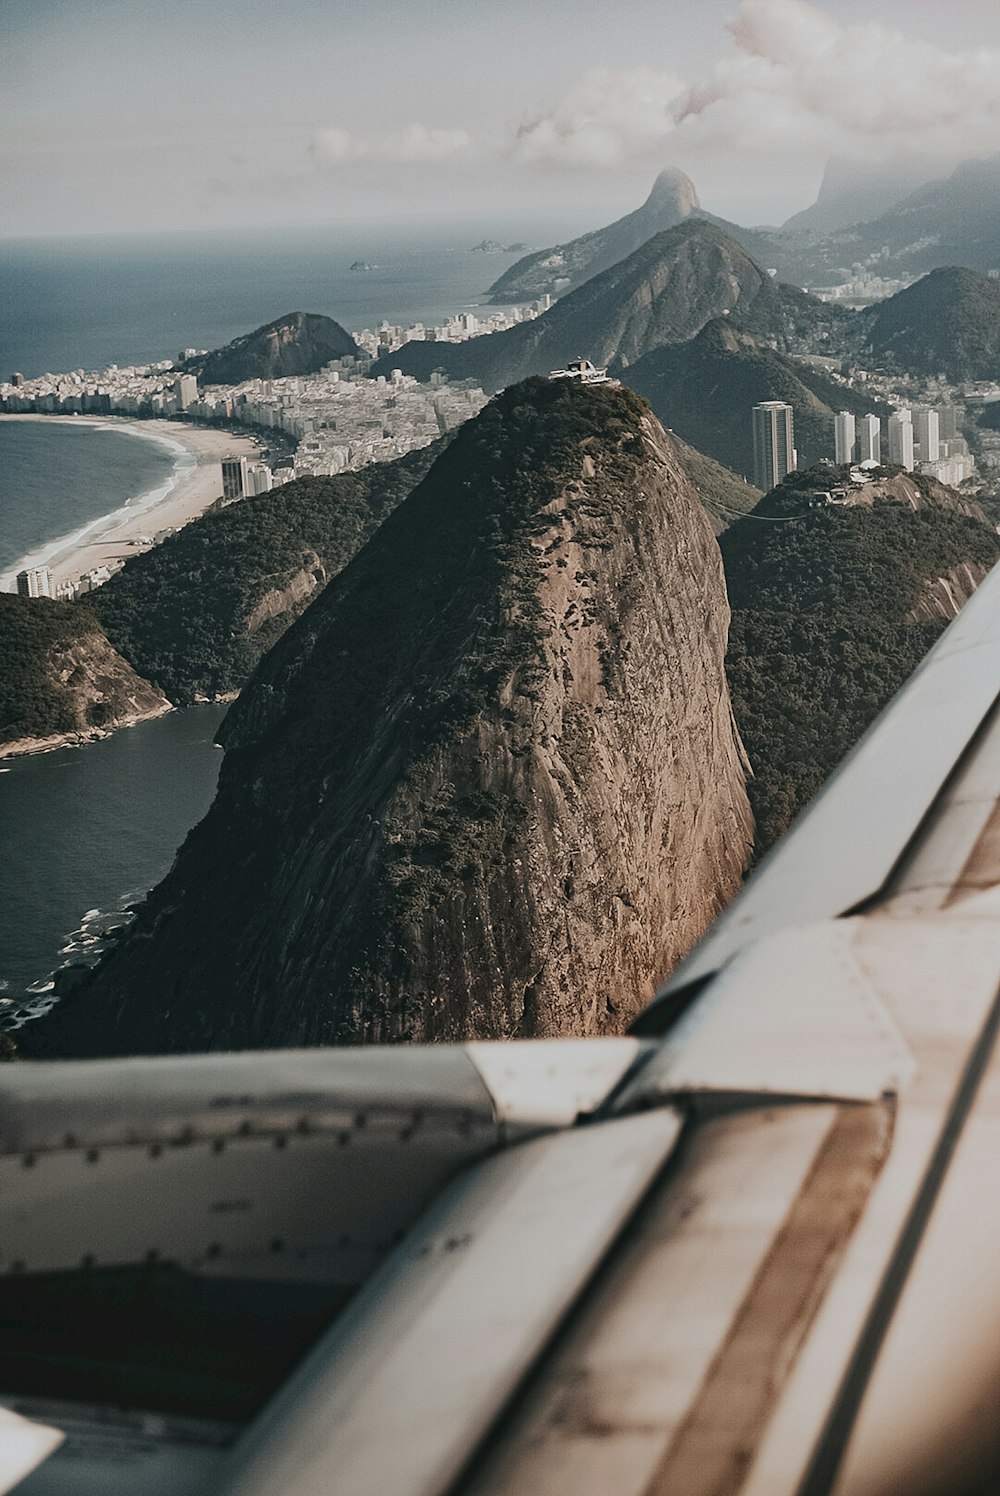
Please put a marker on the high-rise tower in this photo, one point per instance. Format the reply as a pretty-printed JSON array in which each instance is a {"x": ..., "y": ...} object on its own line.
[
  {"x": 870, "y": 439},
  {"x": 773, "y": 443},
  {"x": 843, "y": 437},
  {"x": 900, "y": 428}
]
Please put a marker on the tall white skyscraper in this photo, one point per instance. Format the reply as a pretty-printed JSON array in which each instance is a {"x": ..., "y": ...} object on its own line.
[
  {"x": 900, "y": 428},
  {"x": 870, "y": 439},
  {"x": 773, "y": 443},
  {"x": 35, "y": 583},
  {"x": 926, "y": 431},
  {"x": 843, "y": 437}
]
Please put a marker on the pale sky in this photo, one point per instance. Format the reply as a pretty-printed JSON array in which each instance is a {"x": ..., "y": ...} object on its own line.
[{"x": 134, "y": 115}]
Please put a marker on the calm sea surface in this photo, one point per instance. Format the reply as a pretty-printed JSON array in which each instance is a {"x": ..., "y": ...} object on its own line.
[
  {"x": 87, "y": 302},
  {"x": 55, "y": 476},
  {"x": 86, "y": 831},
  {"x": 83, "y": 832}
]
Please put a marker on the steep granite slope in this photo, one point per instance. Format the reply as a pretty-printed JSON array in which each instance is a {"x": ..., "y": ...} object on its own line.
[
  {"x": 488, "y": 784},
  {"x": 297, "y": 343},
  {"x": 663, "y": 293},
  {"x": 60, "y": 678},
  {"x": 563, "y": 267}
]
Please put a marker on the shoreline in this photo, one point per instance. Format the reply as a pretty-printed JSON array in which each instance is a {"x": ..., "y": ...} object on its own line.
[
  {"x": 193, "y": 486},
  {"x": 78, "y": 737}
]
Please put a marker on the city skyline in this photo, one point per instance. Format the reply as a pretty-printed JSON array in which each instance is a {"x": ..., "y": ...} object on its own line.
[{"x": 125, "y": 117}]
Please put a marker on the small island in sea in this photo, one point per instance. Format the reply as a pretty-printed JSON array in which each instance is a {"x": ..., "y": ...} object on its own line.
[
  {"x": 363, "y": 265},
  {"x": 494, "y": 247}
]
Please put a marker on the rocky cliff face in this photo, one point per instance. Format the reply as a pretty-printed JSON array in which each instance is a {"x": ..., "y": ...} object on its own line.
[
  {"x": 297, "y": 343},
  {"x": 945, "y": 596},
  {"x": 488, "y": 784},
  {"x": 60, "y": 679},
  {"x": 563, "y": 267}
]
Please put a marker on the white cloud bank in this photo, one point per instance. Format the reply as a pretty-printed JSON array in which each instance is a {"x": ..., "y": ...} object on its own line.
[
  {"x": 412, "y": 145},
  {"x": 797, "y": 81}
]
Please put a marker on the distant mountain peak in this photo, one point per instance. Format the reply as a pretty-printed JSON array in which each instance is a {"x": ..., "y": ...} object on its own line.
[
  {"x": 673, "y": 188},
  {"x": 563, "y": 267}
]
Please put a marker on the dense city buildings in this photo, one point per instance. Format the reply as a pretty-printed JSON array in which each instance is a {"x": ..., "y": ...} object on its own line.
[{"x": 773, "y": 443}]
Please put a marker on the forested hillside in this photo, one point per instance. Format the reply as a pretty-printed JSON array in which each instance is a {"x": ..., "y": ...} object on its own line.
[{"x": 821, "y": 635}]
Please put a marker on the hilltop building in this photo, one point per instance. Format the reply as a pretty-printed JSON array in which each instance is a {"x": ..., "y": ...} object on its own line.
[
  {"x": 774, "y": 455},
  {"x": 583, "y": 370}
]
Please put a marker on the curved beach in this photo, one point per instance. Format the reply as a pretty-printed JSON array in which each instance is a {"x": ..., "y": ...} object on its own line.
[{"x": 195, "y": 484}]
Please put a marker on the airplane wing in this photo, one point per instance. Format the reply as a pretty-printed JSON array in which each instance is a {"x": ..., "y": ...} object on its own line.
[{"x": 751, "y": 1249}]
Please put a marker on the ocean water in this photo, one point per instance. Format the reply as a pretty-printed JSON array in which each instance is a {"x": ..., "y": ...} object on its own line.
[
  {"x": 57, "y": 476},
  {"x": 84, "y": 832},
  {"x": 72, "y": 303}
]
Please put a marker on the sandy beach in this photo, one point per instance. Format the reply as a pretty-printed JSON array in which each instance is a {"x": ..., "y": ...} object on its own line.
[{"x": 196, "y": 483}]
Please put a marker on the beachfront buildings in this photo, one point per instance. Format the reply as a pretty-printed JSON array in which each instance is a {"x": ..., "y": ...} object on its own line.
[
  {"x": 185, "y": 390},
  {"x": 773, "y": 443},
  {"x": 37, "y": 582}
]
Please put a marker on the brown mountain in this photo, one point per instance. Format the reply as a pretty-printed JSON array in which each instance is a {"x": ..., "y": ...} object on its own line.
[
  {"x": 297, "y": 343},
  {"x": 664, "y": 293},
  {"x": 488, "y": 784}
]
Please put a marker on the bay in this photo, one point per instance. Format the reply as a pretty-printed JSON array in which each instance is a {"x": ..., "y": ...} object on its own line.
[
  {"x": 56, "y": 476},
  {"x": 84, "y": 832},
  {"x": 83, "y": 303}
]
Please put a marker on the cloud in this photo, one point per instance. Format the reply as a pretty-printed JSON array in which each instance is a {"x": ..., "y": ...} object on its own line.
[
  {"x": 416, "y": 143},
  {"x": 607, "y": 118},
  {"x": 797, "y": 81}
]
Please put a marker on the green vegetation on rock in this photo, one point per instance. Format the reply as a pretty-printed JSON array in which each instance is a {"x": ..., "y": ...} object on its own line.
[
  {"x": 819, "y": 641},
  {"x": 948, "y": 323},
  {"x": 59, "y": 674},
  {"x": 297, "y": 343},
  {"x": 195, "y": 614}
]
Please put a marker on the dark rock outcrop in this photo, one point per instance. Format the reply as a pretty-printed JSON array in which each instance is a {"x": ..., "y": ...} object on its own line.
[
  {"x": 488, "y": 784},
  {"x": 297, "y": 343},
  {"x": 61, "y": 681},
  {"x": 563, "y": 267}
]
